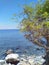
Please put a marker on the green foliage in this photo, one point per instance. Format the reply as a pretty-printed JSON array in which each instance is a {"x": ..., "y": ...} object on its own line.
[
  {"x": 35, "y": 21},
  {"x": 28, "y": 9},
  {"x": 45, "y": 15},
  {"x": 43, "y": 9},
  {"x": 26, "y": 24},
  {"x": 46, "y": 24},
  {"x": 46, "y": 6}
]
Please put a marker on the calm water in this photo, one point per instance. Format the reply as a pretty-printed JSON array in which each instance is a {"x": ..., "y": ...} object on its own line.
[{"x": 13, "y": 39}]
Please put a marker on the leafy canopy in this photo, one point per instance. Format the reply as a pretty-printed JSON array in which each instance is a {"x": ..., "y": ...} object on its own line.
[{"x": 36, "y": 22}]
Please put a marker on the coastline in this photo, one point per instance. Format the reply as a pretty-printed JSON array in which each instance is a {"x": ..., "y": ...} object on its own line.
[{"x": 27, "y": 60}]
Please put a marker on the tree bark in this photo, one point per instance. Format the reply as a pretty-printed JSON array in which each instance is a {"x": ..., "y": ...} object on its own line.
[
  {"x": 47, "y": 53},
  {"x": 47, "y": 50}
]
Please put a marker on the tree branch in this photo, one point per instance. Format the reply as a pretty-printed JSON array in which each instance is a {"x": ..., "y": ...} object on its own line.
[{"x": 40, "y": 44}]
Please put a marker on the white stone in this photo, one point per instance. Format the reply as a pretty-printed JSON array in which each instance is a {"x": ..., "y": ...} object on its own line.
[
  {"x": 39, "y": 60},
  {"x": 31, "y": 61},
  {"x": 13, "y": 55},
  {"x": 23, "y": 63},
  {"x": 1, "y": 61}
]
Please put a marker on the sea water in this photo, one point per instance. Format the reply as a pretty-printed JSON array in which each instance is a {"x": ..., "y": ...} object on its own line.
[{"x": 14, "y": 39}]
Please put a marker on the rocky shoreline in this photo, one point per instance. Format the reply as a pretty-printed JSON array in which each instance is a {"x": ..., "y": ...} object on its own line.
[
  {"x": 27, "y": 60},
  {"x": 31, "y": 60}
]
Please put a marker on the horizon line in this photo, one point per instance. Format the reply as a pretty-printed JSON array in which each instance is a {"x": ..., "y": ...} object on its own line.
[{"x": 10, "y": 29}]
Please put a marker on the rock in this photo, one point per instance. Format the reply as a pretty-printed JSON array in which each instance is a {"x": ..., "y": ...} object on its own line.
[
  {"x": 2, "y": 62},
  {"x": 31, "y": 60},
  {"x": 12, "y": 58},
  {"x": 24, "y": 59},
  {"x": 12, "y": 61},
  {"x": 9, "y": 51},
  {"x": 23, "y": 63},
  {"x": 39, "y": 60}
]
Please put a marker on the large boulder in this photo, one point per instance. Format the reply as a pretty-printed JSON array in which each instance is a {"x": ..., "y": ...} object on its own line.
[{"x": 12, "y": 58}]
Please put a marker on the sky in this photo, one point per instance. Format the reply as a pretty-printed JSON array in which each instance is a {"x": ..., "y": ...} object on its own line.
[{"x": 7, "y": 9}]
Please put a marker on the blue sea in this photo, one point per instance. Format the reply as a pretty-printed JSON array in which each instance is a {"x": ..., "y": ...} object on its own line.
[{"x": 14, "y": 39}]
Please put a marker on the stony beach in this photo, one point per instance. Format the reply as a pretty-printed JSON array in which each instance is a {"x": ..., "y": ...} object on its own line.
[{"x": 27, "y": 60}]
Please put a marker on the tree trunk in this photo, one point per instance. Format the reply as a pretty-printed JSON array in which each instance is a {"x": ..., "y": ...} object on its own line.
[{"x": 47, "y": 54}]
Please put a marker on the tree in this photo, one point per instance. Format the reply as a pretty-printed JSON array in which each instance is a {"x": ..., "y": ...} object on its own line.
[{"x": 35, "y": 24}]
